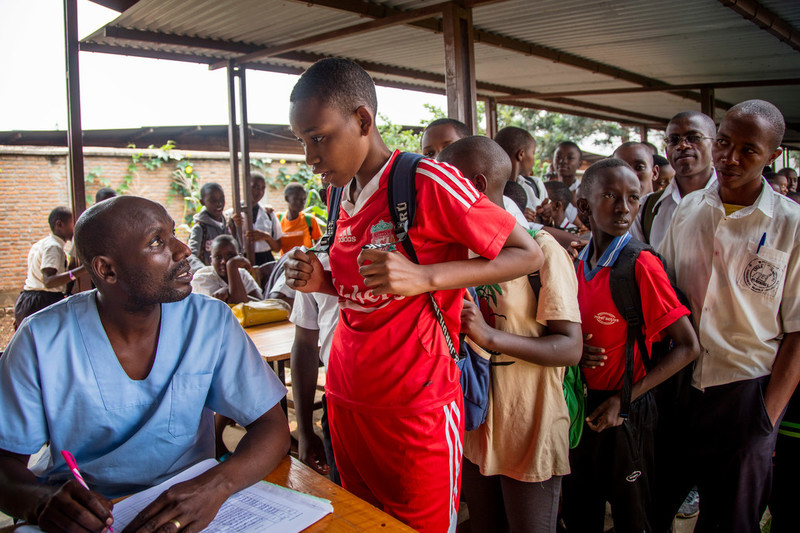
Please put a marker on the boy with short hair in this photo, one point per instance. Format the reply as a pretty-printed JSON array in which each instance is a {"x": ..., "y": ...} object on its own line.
[
  {"x": 226, "y": 278},
  {"x": 665, "y": 173},
  {"x": 521, "y": 149},
  {"x": 514, "y": 462},
  {"x": 393, "y": 391},
  {"x": 48, "y": 272},
  {"x": 440, "y": 133},
  {"x": 552, "y": 213},
  {"x": 299, "y": 228},
  {"x": 791, "y": 175},
  {"x": 733, "y": 247},
  {"x": 266, "y": 233},
  {"x": 208, "y": 224},
  {"x": 614, "y": 461},
  {"x": 640, "y": 157}
]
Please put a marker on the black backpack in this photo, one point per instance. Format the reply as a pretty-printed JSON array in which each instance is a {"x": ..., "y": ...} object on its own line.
[{"x": 625, "y": 293}]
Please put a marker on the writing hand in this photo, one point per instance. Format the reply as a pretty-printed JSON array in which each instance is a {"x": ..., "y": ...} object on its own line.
[
  {"x": 592, "y": 356},
  {"x": 391, "y": 273},
  {"x": 73, "y": 508},
  {"x": 606, "y": 415},
  {"x": 193, "y": 504}
]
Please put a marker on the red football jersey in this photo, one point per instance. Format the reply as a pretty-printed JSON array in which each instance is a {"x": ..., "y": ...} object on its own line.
[
  {"x": 389, "y": 354},
  {"x": 601, "y": 318}
]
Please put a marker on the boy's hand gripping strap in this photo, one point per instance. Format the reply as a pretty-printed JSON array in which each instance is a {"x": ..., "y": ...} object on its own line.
[{"x": 334, "y": 203}]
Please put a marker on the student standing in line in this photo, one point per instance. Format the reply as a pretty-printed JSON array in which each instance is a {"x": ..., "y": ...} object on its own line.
[
  {"x": 514, "y": 462},
  {"x": 733, "y": 248},
  {"x": 266, "y": 233},
  {"x": 393, "y": 391}
]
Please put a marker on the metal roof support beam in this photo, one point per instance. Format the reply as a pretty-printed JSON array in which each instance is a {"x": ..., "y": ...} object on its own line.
[
  {"x": 660, "y": 124},
  {"x": 75, "y": 132},
  {"x": 707, "y": 102},
  {"x": 766, "y": 20},
  {"x": 233, "y": 140},
  {"x": 244, "y": 143},
  {"x": 459, "y": 65},
  {"x": 656, "y": 88}
]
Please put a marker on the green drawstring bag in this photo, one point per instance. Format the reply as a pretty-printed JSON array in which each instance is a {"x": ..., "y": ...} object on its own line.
[{"x": 575, "y": 395}]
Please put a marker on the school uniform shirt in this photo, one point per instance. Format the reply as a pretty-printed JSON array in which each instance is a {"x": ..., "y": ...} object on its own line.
[
  {"x": 206, "y": 281},
  {"x": 61, "y": 383},
  {"x": 743, "y": 294},
  {"x": 389, "y": 356},
  {"x": 512, "y": 207},
  {"x": 535, "y": 197},
  {"x": 46, "y": 253},
  {"x": 526, "y": 432},
  {"x": 268, "y": 223},
  {"x": 296, "y": 232},
  {"x": 204, "y": 230},
  {"x": 601, "y": 318},
  {"x": 665, "y": 207},
  {"x": 317, "y": 311}
]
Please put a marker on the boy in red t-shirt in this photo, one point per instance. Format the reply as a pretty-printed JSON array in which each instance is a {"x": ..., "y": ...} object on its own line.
[
  {"x": 394, "y": 399},
  {"x": 613, "y": 462}
]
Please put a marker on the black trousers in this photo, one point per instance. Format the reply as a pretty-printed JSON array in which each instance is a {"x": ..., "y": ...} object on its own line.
[
  {"x": 785, "y": 481},
  {"x": 326, "y": 442},
  {"x": 29, "y": 302},
  {"x": 614, "y": 465},
  {"x": 725, "y": 448}
]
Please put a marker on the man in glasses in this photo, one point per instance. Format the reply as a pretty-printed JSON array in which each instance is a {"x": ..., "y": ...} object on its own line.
[{"x": 689, "y": 138}]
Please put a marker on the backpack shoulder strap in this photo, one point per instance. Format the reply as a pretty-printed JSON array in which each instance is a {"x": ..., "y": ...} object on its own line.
[
  {"x": 308, "y": 223},
  {"x": 625, "y": 293},
  {"x": 649, "y": 212},
  {"x": 403, "y": 198},
  {"x": 334, "y": 203}
]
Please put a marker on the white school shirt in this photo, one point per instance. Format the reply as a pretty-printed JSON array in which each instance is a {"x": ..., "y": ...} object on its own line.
[
  {"x": 317, "y": 311},
  {"x": 744, "y": 297},
  {"x": 47, "y": 253},
  {"x": 512, "y": 207},
  {"x": 207, "y": 281},
  {"x": 268, "y": 223},
  {"x": 61, "y": 383},
  {"x": 534, "y": 201},
  {"x": 666, "y": 205}
]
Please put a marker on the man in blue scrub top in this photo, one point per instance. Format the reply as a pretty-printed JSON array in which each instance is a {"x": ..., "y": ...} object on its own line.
[{"x": 127, "y": 378}]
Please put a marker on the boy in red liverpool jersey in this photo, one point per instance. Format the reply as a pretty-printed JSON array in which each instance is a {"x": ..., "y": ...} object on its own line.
[
  {"x": 613, "y": 462},
  {"x": 393, "y": 392}
]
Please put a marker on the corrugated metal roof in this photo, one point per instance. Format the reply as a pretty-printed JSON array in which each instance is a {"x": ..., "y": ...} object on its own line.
[{"x": 680, "y": 42}]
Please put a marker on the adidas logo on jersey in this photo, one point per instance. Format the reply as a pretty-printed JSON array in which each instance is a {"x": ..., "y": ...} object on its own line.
[{"x": 347, "y": 236}]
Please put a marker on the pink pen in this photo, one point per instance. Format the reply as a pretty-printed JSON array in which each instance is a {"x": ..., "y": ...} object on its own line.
[{"x": 73, "y": 467}]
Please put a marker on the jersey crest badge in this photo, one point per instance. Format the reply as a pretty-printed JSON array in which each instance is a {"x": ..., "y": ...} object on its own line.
[{"x": 382, "y": 233}]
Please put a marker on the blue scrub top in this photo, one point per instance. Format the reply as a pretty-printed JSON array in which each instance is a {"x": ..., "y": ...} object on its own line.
[{"x": 60, "y": 382}]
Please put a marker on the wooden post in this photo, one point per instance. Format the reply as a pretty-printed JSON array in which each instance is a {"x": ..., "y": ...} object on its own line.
[
  {"x": 643, "y": 133},
  {"x": 459, "y": 63},
  {"x": 75, "y": 132},
  {"x": 707, "y": 101},
  {"x": 244, "y": 131},
  {"x": 491, "y": 117}
]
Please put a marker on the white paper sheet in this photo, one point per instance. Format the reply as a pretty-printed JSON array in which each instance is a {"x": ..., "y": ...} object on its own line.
[{"x": 260, "y": 507}]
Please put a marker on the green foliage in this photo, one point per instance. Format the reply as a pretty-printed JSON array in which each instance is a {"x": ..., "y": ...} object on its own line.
[
  {"x": 396, "y": 137},
  {"x": 550, "y": 129},
  {"x": 94, "y": 177},
  {"x": 185, "y": 183}
]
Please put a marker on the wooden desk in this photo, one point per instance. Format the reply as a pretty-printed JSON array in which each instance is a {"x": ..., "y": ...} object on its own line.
[
  {"x": 274, "y": 342},
  {"x": 350, "y": 513}
]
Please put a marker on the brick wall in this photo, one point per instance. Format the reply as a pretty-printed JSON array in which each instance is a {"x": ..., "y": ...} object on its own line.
[{"x": 33, "y": 180}]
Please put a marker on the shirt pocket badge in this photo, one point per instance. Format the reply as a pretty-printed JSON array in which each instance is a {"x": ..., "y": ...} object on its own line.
[{"x": 763, "y": 272}]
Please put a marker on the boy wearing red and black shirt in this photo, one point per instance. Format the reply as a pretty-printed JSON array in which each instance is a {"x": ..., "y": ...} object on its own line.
[
  {"x": 394, "y": 401},
  {"x": 613, "y": 462}
]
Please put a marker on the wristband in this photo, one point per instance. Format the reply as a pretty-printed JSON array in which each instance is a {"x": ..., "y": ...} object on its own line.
[{"x": 71, "y": 275}]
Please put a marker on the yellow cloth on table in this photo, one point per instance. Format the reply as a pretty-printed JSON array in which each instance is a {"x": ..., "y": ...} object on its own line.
[{"x": 261, "y": 312}]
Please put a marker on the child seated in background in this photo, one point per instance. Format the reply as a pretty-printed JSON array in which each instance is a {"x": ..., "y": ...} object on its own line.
[
  {"x": 514, "y": 462},
  {"x": 614, "y": 461},
  {"x": 208, "y": 224},
  {"x": 226, "y": 278}
]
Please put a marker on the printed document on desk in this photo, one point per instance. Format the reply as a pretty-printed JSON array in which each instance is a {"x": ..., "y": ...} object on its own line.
[{"x": 258, "y": 508}]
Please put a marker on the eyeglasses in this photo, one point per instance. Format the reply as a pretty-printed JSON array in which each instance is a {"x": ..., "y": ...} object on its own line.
[{"x": 693, "y": 138}]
